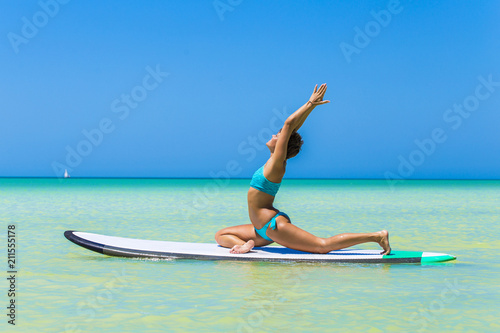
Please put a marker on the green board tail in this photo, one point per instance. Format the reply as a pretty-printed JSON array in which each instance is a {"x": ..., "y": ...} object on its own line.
[{"x": 423, "y": 257}]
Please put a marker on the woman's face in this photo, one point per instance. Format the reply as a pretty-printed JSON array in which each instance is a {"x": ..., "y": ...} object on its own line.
[{"x": 271, "y": 144}]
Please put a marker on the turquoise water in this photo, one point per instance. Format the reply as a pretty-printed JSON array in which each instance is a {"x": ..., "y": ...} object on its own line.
[{"x": 64, "y": 288}]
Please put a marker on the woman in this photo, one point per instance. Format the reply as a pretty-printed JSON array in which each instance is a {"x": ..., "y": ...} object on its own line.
[{"x": 269, "y": 224}]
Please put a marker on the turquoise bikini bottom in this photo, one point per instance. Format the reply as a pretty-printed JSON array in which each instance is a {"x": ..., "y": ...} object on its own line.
[{"x": 272, "y": 224}]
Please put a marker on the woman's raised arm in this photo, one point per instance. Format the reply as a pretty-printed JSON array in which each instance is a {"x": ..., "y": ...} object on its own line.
[{"x": 296, "y": 120}]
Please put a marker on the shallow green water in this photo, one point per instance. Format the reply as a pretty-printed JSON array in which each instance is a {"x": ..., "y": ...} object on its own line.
[{"x": 64, "y": 288}]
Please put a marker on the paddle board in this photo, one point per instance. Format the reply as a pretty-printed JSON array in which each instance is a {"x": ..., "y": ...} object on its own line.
[{"x": 141, "y": 248}]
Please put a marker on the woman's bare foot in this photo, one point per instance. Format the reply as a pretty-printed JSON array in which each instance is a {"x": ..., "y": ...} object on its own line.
[
  {"x": 384, "y": 242},
  {"x": 243, "y": 248}
]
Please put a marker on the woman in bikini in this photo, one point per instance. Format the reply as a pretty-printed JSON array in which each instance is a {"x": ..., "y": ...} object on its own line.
[{"x": 268, "y": 223}]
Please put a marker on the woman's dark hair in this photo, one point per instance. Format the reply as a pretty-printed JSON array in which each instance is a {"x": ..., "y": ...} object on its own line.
[{"x": 294, "y": 144}]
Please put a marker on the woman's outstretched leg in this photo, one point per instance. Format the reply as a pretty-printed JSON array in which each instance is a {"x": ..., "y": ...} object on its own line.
[
  {"x": 350, "y": 239},
  {"x": 291, "y": 236}
]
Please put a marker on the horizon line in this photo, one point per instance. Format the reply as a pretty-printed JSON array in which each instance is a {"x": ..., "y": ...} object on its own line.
[{"x": 208, "y": 178}]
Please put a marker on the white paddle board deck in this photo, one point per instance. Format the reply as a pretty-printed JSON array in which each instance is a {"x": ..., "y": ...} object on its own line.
[{"x": 140, "y": 248}]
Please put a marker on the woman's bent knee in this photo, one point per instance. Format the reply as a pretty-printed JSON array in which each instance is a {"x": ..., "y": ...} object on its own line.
[
  {"x": 219, "y": 234},
  {"x": 322, "y": 246}
]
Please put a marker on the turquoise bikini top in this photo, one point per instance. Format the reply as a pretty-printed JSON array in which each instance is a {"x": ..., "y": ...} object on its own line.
[{"x": 261, "y": 183}]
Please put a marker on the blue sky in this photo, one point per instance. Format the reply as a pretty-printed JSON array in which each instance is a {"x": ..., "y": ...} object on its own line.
[{"x": 194, "y": 88}]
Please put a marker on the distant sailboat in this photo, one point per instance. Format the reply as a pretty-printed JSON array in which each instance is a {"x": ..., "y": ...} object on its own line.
[{"x": 66, "y": 174}]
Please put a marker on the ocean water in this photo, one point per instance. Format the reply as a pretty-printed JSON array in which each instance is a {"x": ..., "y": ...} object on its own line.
[{"x": 61, "y": 287}]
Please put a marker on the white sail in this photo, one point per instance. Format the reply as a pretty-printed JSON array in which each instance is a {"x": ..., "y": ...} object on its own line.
[{"x": 66, "y": 174}]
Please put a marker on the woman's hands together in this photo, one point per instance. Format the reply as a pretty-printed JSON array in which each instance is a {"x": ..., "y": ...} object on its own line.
[{"x": 317, "y": 95}]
